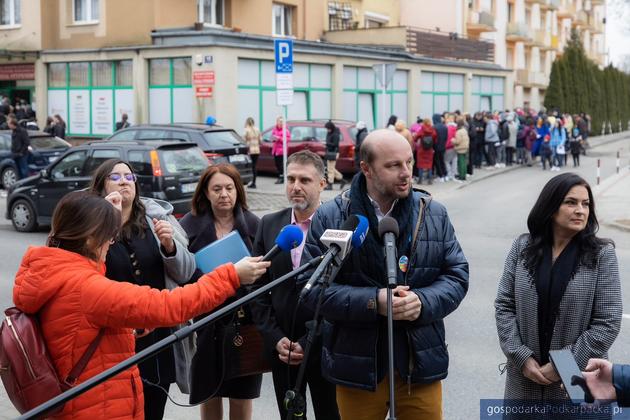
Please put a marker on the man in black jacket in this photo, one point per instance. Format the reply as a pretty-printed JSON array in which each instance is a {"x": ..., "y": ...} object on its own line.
[
  {"x": 440, "y": 146},
  {"x": 333, "y": 138},
  {"x": 276, "y": 312},
  {"x": 19, "y": 146}
]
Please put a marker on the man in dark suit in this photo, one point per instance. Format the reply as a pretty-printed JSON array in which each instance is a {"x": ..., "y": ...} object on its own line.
[{"x": 274, "y": 313}]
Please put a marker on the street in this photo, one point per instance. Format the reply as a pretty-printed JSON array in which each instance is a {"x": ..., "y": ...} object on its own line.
[{"x": 487, "y": 215}]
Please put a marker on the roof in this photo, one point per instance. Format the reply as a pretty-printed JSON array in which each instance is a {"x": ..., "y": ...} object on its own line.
[{"x": 184, "y": 126}]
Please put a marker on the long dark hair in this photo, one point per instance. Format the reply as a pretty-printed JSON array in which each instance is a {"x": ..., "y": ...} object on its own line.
[
  {"x": 540, "y": 223},
  {"x": 201, "y": 204},
  {"x": 81, "y": 216},
  {"x": 137, "y": 222}
]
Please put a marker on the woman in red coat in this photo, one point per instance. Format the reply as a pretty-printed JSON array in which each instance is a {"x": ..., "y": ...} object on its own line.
[
  {"x": 425, "y": 140},
  {"x": 64, "y": 284}
]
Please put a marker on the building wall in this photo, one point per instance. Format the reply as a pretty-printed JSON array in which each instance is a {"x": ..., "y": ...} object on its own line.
[
  {"x": 26, "y": 36},
  {"x": 419, "y": 14}
]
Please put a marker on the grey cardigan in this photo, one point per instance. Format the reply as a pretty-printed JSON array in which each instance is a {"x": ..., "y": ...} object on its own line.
[
  {"x": 178, "y": 269},
  {"x": 589, "y": 318}
]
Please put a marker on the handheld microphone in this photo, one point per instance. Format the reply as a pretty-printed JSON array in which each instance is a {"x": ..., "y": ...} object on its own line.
[
  {"x": 289, "y": 237},
  {"x": 388, "y": 231}
]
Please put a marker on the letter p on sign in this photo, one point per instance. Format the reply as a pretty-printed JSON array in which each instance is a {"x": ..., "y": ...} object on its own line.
[{"x": 283, "y": 49}]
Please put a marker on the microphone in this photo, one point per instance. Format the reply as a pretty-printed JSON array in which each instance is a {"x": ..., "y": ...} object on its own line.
[
  {"x": 340, "y": 242},
  {"x": 388, "y": 231},
  {"x": 289, "y": 237}
]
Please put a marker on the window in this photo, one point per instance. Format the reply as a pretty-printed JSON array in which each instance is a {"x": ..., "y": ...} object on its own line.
[
  {"x": 124, "y": 135},
  {"x": 86, "y": 10},
  {"x": 140, "y": 162},
  {"x": 69, "y": 166},
  {"x": 98, "y": 157},
  {"x": 339, "y": 16},
  {"x": 10, "y": 12},
  {"x": 211, "y": 12},
  {"x": 124, "y": 74},
  {"x": 282, "y": 20},
  {"x": 369, "y": 23}
]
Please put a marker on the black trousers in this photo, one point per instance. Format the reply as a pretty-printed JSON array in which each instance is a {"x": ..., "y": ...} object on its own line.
[
  {"x": 323, "y": 394},
  {"x": 438, "y": 164},
  {"x": 478, "y": 150},
  {"x": 154, "y": 401},
  {"x": 254, "y": 160}
]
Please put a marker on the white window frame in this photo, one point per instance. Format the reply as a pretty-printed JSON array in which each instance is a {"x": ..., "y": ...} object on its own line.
[
  {"x": 89, "y": 13},
  {"x": 287, "y": 12},
  {"x": 377, "y": 18},
  {"x": 213, "y": 8},
  {"x": 12, "y": 16}
]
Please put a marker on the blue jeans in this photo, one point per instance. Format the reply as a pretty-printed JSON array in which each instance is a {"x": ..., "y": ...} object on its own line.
[{"x": 22, "y": 165}]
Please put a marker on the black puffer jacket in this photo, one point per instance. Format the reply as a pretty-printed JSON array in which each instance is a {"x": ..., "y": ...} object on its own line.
[{"x": 355, "y": 346}]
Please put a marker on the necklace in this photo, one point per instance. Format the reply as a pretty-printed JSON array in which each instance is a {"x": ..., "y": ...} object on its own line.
[{"x": 220, "y": 230}]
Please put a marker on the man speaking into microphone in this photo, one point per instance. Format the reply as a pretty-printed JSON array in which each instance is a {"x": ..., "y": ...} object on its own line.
[
  {"x": 431, "y": 277},
  {"x": 275, "y": 313}
]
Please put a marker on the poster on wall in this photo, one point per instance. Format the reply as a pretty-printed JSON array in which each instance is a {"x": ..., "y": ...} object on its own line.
[
  {"x": 102, "y": 112},
  {"x": 79, "y": 112},
  {"x": 58, "y": 103},
  {"x": 124, "y": 105}
]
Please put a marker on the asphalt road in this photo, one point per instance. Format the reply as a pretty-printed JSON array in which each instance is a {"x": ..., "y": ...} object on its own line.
[{"x": 487, "y": 216}]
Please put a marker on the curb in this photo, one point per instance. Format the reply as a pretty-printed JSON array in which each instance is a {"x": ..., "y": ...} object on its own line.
[
  {"x": 610, "y": 138},
  {"x": 618, "y": 226},
  {"x": 610, "y": 182},
  {"x": 490, "y": 175}
]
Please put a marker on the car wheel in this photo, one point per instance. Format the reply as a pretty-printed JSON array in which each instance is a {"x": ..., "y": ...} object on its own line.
[
  {"x": 9, "y": 177},
  {"x": 23, "y": 216}
]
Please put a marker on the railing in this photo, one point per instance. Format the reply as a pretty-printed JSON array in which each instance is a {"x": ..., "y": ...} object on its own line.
[
  {"x": 566, "y": 11},
  {"x": 518, "y": 30},
  {"x": 531, "y": 78},
  {"x": 581, "y": 18},
  {"x": 480, "y": 22},
  {"x": 448, "y": 45}
]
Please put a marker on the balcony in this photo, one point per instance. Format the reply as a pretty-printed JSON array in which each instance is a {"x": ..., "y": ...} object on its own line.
[
  {"x": 517, "y": 32},
  {"x": 596, "y": 25},
  {"x": 479, "y": 22},
  {"x": 529, "y": 78},
  {"x": 580, "y": 19},
  {"x": 550, "y": 5},
  {"x": 566, "y": 11},
  {"x": 542, "y": 39},
  {"x": 535, "y": 1},
  {"x": 598, "y": 2}
]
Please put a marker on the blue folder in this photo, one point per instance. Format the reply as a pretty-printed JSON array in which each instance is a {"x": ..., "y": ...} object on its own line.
[{"x": 230, "y": 248}]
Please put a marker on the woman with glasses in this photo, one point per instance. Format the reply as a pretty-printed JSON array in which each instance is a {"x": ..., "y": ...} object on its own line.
[{"x": 151, "y": 250}]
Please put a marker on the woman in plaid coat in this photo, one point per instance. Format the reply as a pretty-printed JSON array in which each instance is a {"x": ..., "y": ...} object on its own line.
[{"x": 560, "y": 289}]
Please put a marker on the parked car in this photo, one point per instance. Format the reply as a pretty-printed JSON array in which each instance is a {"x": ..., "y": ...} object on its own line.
[
  {"x": 45, "y": 148},
  {"x": 220, "y": 144},
  {"x": 311, "y": 135},
  {"x": 165, "y": 170}
]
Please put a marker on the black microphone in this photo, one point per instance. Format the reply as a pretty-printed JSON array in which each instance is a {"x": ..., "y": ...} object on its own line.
[
  {"x": 289, "y": 237},
  {"x": 388, "y": 231}
]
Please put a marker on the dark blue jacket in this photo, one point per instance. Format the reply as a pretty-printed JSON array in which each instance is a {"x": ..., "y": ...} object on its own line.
[
  {"x": 442, "y": 133},
  {"x": 621, "y": 381},
  {"x": 355, "y": 345}
]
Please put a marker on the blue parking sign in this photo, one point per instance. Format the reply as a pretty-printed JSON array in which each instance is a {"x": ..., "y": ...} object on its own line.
[{"x": 283, "y": 49}]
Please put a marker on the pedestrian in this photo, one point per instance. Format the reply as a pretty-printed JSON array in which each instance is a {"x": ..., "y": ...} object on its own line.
[
  {"x": 425, "y": 142},
  {"x": 59, "y": 128},
  {"x": 440, "y": 147},
  {"x": 253, "y": 139},
  {"x": 20, "y": 143},
  {"x": 362, "y": 133},
  {"x": 461, "y": 144},
  {"x": 48, "y": 128},
  {"x": 504, "y": 136},
  {"x": 391, "y": 122},
  {"x": 478, "y": 145},
  {"x": 401, "y": 128},
  {"x": 333, "y": 138},
  {"x": 546, "y": 153},
  {"x": 416, "y": 126},
  {"x": 150, "y": 251},
  {"x": 123, "y": 123},
  {"x": 542, "y": 131},
  {"x": 277, "y": 149},
  {"x": 432, "y": 281},
  {"x": 63, "y": 283},
  {"x": 558, "y": 139},
  {"x": 279, "y": 316},
  {"x": 450, "y": 155},
  {"x": 510, "y": 145},
  {"x": 560, "y": 289},
  {"x": 491, "y": 140},
  {"x": 575, "y": 145},
  {"x": 219, "y": 206}
]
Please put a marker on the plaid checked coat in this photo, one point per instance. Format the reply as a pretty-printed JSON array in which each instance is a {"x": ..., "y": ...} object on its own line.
[{"x": 588, "y": 322}]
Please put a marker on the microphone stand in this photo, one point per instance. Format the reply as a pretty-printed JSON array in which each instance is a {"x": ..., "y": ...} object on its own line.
[
  {"x": 160, "y": 345},
  {"x": 391, "y": 285},
  {"x": 294, "y": 401}
]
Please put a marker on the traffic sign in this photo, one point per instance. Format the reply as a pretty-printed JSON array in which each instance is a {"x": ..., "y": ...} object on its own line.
[
  {"x": 203, "y": 91},
  {"x": 203, "y": 77},
  {"x": 284, "y": 97},
  {"x": 388, "y": 69},
  {"x": 283, "y": 49}
]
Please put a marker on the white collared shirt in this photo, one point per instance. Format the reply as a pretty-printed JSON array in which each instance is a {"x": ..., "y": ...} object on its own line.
[{"x": 377, "y": 208}]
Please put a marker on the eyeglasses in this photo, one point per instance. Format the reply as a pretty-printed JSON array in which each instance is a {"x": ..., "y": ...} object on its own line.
[{"x": 117, "y": 177}]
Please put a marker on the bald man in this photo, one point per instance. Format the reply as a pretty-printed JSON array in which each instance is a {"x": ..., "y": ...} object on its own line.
[{"x": 432, "y": 281}]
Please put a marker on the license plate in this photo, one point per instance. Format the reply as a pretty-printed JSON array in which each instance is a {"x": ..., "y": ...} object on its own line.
[
  {"x": 189, "y": 188},
  {"x": 238, "y": 159}
]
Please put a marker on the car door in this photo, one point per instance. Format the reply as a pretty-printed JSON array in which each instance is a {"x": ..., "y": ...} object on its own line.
[{"x": 64, "y": 176}]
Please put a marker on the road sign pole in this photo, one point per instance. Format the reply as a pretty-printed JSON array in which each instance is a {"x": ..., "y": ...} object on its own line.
[
  {"x": 384, "y": 86},
  {"x": 284, "y": 143}
]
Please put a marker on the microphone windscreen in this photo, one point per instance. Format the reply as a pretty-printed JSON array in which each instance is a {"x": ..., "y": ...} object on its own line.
[
  {"x": 360, "y": 233},
  {"x": 289, "y": 237},
  {"x": 387, "y": 225},
  {"x": 350, "y": 223}
]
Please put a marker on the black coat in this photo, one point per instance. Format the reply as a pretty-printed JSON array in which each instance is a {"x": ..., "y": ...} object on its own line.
[
  {"x": 59, "y": 130},
  {"x": 442, "y": 136},
  {"x": 20, "y": 141},
  {"x": 332, "y": 141}
]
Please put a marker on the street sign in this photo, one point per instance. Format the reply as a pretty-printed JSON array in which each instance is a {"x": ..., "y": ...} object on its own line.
[
  {"x": 283, "y": 49},
  {"x": 203, "y": 91},
  {"x": 203, "y": 77},
  {"x": 284, "y": 97},
  {"x": 284, "y": 81},
  {"x": 389, "y": 69}
]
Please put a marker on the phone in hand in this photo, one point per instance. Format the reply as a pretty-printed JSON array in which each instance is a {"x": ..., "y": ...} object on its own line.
[{"x": 564, "y": 363}]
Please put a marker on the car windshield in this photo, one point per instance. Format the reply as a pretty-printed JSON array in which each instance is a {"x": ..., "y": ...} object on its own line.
[
  {"x": 189, "y": 159},
  {"x": 222, "y": 139},
  {"x": 49, "y": 143}
]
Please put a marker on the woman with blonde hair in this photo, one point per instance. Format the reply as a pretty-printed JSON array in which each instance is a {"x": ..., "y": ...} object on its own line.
[{"x": 253, "y": 138}]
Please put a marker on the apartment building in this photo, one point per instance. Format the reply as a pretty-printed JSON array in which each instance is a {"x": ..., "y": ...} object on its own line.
[
  {"x": 163, "y": 61},
  {"x": 527, "y": 34}
]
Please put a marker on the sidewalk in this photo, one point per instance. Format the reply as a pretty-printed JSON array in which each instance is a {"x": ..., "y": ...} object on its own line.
[{"x": 613, "y": 201}]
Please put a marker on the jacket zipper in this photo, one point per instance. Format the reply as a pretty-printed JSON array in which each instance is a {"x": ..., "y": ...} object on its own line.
[{"x": 24, "y": 354}]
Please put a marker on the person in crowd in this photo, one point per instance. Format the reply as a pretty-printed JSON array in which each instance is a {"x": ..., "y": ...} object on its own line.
[
  {"x": 59, "y": 128},
  {"x": 426, "y": 140},
  {"x": 20, "y": 142},
  {"x": 401, "y": 128},
  {"x": 542, "y": 131},
  {"x": 253, "y": 138},
  {"x": 31, "y": 116},
  {"x": 440, "y": 147},
  {"x": 64, "y": 283},
  {"x": 504, "y": 135},
  {"x": 546, "y": 153},
  {"x": 530, "y": 140},
  {"x": 48, "y": 128},
  {"x": 560, "y": 289},
  {"x": 416, "y": 126},
  {"x": 575, "y": 145},
  {"x": 468, "y": 122},
  {"x": 391, "y": 122},
  {"x": 433, "y": 280},
  {"x": 333, "y": 138},
  {"x": 450, "y": 155},
  {"x": 478, "y": 149},
  {"x": 20, "y": 112},
  {"x": 521, "y": 135},
  {"x": 277, "y": 148},
  {"x": 219, "y": 206},
  {"x": 510, "y": 145},
  {"x": 274, "y": 313},
  {"x": 461, "y": 144},
  {"x": 557, "y": 142},
  {"x": 491, "y": 139},
  {"x": 150, "y": 251},
  {"x": 123, "y": 123},
  {"x": 362, "y": 133},
  {"x": 568, "y": 122}
]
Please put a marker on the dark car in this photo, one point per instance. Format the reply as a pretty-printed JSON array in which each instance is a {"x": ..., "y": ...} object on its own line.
[
  {"x": 311, "y": 135},
  {"x": 45, "y": 148},
  {"x": 165, "y": 170},
  {"x": 220, "y": 144}
]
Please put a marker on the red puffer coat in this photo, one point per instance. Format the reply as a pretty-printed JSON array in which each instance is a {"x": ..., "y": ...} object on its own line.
[
  {"x": 74, "y": 300},
  {"x": 424, "y": 157}
]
